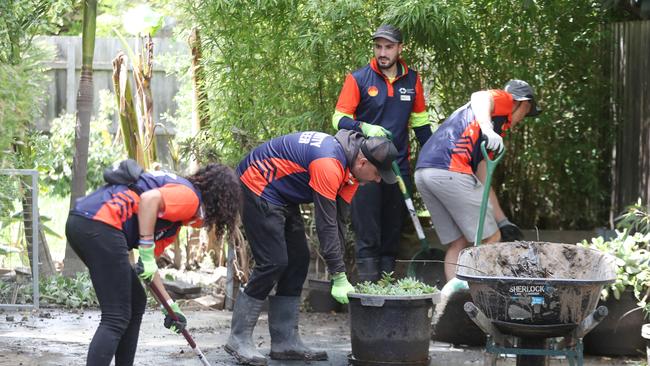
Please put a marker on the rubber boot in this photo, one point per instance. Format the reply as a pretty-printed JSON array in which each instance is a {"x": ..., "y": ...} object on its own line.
[
  {"x": 386, "y": 265},
  {"x": 368, "y": 269},
  {"x": 283, "y": 326},
  {"x": 240, "y": 343}
]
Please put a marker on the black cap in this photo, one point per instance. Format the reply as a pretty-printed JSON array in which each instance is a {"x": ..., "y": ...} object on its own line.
[
  {"x": 381, "y": 152},
  {"x": 521, "y": 90},
  {"x": 388, "y": 32}
]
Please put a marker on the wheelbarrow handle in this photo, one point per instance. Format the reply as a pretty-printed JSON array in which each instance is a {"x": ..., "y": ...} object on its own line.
[
  {"x": 158, "y": 295},
  {"x": 491, "y": 165}
]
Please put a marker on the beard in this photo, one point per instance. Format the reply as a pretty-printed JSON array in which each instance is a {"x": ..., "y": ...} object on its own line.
[{"x": 387, "y": 63}]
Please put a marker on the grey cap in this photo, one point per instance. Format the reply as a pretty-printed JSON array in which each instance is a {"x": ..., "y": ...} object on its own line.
[
  {"x": 381, "y": 152},
  {"x": 521, "y": 90},
  {"x": 388, "y": 32}
]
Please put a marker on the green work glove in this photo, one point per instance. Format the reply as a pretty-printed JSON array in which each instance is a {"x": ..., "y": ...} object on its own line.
[
  {"x": 146, "y": 266},
  {"x": 341, "y": 287},
  {"x": 371, "y": 130},
  {"x": 175, "y": 326}
]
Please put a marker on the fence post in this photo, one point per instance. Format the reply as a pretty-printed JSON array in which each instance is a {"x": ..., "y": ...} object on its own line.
[{"x": 70, "y": 90}]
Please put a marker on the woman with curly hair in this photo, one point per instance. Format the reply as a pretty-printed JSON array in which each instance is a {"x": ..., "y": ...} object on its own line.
[{"x": 147, "y": 214}]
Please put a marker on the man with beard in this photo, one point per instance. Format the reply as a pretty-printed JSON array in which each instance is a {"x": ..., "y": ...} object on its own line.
[{"x": 382, "y": 98}]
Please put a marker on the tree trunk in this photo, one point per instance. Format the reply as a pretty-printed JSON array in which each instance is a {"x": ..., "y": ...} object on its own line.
[{"x": 72, "y": 263}]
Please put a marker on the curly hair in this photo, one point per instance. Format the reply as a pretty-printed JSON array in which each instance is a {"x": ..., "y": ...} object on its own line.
[{"x": 221, "y": 195}]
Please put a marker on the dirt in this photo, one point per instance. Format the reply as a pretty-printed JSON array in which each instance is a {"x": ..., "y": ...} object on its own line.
[
  {"x": 537, "y": 260},
  {"x": 55, "y": 337}
]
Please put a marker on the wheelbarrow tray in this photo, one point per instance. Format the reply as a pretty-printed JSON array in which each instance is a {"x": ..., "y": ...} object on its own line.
[{"x": 535, "y": 289}]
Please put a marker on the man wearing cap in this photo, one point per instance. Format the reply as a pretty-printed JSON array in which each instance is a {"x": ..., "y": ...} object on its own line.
[
  {"x": 450, "y": 162},
  {"x": 382, "y": 98},
  {"x": 276, "y": 178}
]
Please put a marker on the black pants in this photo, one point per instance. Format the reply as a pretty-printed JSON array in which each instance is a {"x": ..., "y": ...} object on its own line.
[
  {"x": 122, "y": 299},
  {"x": 378, "y": 213},
  {"x": 276, "y": 235}
]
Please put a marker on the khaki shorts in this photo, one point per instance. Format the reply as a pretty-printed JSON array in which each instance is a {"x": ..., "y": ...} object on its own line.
[{"x": 454, "y": 202}]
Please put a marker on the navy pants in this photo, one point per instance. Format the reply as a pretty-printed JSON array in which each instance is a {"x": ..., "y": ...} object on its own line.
[
  {"x": 122, "y": 300},
  {"x": 378, "y": 213},
  {"x": 276, "y": 235}
]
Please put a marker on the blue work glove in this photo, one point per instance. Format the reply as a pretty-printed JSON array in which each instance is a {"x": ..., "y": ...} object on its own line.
[
  {"x": 146, "y": 266},
  {"x": 175, "y": 326},
  {"x": 341, "y": 287},
  {"x": 371, "y": 130},
  {"x": 509, "y": 231},
  {"x": 454, "y": 285}
]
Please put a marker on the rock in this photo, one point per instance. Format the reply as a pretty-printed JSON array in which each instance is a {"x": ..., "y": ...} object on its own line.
[
  {"x": 9, "y": 318},
  {"x": 209, "y": 301},
  {"x": 182, "y": 288}
]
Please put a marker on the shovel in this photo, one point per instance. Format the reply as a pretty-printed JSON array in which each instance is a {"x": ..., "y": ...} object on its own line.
[
  {"x": 423, "y": 258},
  {"x": 455, "y": 285},
  {"x": 491, "y": 165},
  {"x": 158, "y": 295}
]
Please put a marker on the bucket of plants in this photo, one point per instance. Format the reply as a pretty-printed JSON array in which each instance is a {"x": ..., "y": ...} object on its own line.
[{"x": 390, "y": 322}]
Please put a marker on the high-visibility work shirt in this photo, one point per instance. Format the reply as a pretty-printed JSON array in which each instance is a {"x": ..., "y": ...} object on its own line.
[
  {"x": 305, "y": 167},
  {"x": 289, "y": 169},
  {"x": 368, "y": 96},
  {"x": 117, "y": 206},
  {"x": 455, "y": 146}
]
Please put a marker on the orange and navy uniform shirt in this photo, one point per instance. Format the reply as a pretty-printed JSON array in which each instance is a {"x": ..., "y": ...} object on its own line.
[
  {"x": 455, "y": 146},
  {"x": 300, "y": 168},
  {"x": 117, "y": 206},
  {"x": 288, "y": 170},
  {"x": 368, "y": 96}
]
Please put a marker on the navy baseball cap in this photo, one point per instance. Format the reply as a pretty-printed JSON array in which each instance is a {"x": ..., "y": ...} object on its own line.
[
  {"x": 388, "y": 32},
  {"x": 521, "y": 90},
  {"x": 381, "y": 152}
]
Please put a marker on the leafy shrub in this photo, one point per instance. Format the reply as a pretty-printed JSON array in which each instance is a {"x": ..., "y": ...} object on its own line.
[
  {"x": 633, "y": 265},
  {"x": 387, "y": 285},
  {"x": 53, "y": 152},
  {"x": 70, "y": 292}
]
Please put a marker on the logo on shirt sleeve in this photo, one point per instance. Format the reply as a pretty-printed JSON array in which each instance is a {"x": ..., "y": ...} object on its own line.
[{"x": 373, "y": 91}]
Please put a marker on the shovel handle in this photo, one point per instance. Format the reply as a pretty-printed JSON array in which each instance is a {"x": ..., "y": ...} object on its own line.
[
  {"x": 410, "y": 207},
  {"x": 158, "y": 295},
  {"x": 491, "y": 165}
]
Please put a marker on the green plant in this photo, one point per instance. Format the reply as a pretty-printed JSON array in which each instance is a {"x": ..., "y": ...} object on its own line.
[
  {"x": 636, "y": 218},
  {"x": 632, "y": 262},
  {"x": 387, "y": 285},
  {"x": 70, "y": 292}
]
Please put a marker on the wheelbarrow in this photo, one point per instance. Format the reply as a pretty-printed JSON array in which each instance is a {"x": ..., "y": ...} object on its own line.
[{"x": 534, "y": 291}]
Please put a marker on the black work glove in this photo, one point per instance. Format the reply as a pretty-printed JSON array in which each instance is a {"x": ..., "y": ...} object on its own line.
[
  {"x": 175, "y": 326},
  {"x": 509, "y": 231}
]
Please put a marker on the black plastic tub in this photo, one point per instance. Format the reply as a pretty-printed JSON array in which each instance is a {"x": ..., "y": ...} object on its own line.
[
  {"x": 320, "y": 299},
  {"x": 535, "y": 289},
  {"x": 390, "y": 330}
]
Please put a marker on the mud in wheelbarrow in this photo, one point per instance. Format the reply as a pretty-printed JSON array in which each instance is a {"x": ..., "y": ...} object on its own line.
[{"x": 535, "y": 289}]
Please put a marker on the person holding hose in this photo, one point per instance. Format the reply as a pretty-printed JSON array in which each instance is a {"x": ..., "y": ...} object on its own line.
[
  {"x": 276, "y": 178},
  {"x": 145, "y": 214},
  {"x": 382, "y": 98},
  {"x": 450, "y": 169}
]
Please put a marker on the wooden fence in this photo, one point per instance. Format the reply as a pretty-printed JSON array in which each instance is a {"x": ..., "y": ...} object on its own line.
[
  {"x": 630, "y": 107},
  {"x": 65, "y": 71}
]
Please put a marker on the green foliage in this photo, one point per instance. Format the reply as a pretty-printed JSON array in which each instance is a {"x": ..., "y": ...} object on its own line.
[
  {"x": 22, "y": 90},
  {"x": 636, "y": 219},
  {"x": 277, "y": 66},
  {"x": 53, "y": 153},
  {"x": 70, "y": 292},
  {"x": 388, "y": 286},
  {"x": 633, "y": 264}
]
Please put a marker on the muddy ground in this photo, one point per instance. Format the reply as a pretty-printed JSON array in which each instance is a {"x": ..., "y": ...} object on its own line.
[{"x": 59, "y": 337}]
